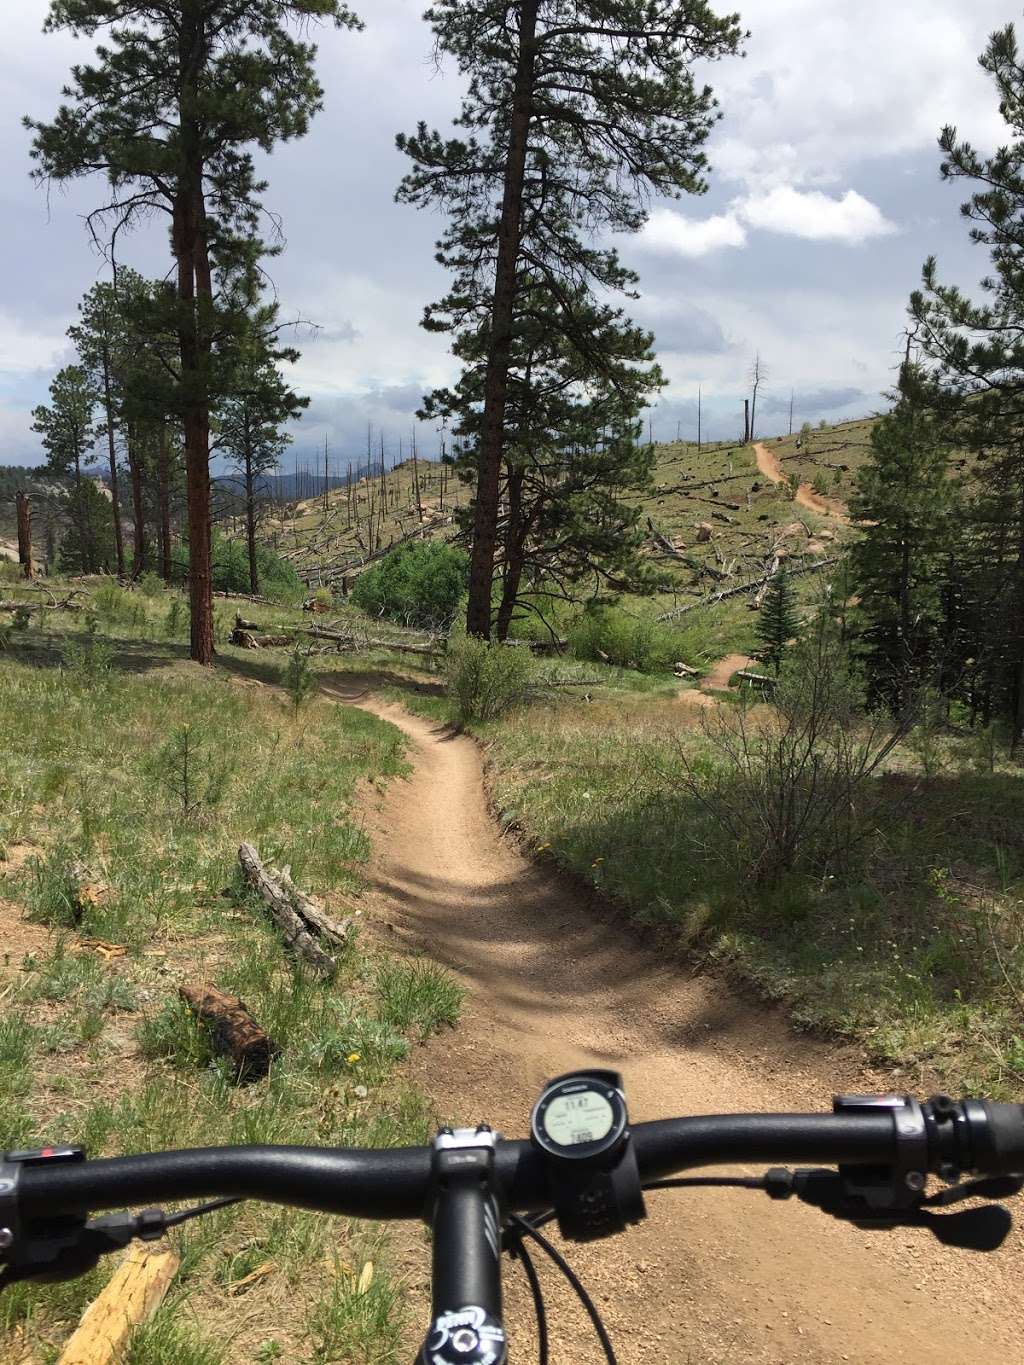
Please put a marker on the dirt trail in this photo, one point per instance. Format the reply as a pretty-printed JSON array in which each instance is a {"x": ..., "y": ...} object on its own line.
[
  {"x": 719, "y": 673},
  {"x": 769, "y": 465},
  {"x": 553, "y": 983}
]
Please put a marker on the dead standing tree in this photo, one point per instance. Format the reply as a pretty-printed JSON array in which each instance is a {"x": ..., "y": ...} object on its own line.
[{"x": 24, "y": 513}]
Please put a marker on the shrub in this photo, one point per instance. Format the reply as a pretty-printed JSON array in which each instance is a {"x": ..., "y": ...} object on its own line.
[
  {"x": 486, "y": 679},
  {"x": 795, "y": 790},
  {"x": 277, "y": 578},
  {"x": 88, "y": 659},
  {"x": 299, "y": 680},
  {"x": 420, "y": 583},
  {"x": 610, "y": 635}
]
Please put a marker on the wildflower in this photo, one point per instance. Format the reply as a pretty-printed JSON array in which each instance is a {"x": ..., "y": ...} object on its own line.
[{"x": 352, "y": 1058}]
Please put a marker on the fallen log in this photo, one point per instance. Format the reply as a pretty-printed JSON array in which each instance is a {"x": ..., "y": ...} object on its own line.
[
  {"x": 242, "y": 624},
  {"x": 233, "y": 1031},
  {"x": 245, "y": 597},
  {"x": 741, "y": 587},
  {"x": 354, "y": 642},
  {"x": 759, "y": 679},
  {"x": 135, "y": 1291},
  {"x": 66, "y": 605},
  {"x": 296, "y": 934},
  {"x": 245, "y": 639}
]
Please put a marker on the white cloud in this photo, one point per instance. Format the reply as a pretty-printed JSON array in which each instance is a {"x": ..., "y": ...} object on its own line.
[
  {"x": 672, "y": 232},
  {"x": 810, "y": 214},
  {"x": 825, "y": 85},
  {"x": 814, "y": 215}
]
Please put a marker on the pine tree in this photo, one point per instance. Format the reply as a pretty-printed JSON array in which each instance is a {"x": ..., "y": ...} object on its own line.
[
  {"x": 777, "y": 622},
  {"x": 68, "y": 430},
  {"x": 576, "y": 111},
  {"x": 572, "y": 463},
  {"x": 96, "y": 337},
  {"x": 251, "y": 414},
  {"x": 905, "y": 501},
  {"x": 170, "y": 110},
  {"x": 975, "y": 354}
]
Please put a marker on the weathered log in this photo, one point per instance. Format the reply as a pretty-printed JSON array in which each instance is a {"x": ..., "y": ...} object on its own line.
[
  {"x": 242, "y": 624},
  {"x": 294, "y": 931},
  {"x": 245, "y": 639},
  {"x": 133, "y": 1294},
  {"x": 233, "y": 1031},
  {"x": 315, "y": 916},
  {"x": 244, "y": 597},
  {"x": 759, "y": 679}
]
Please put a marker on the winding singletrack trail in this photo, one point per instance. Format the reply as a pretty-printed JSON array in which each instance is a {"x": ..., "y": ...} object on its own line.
[
  {"x": 554, "y": 983},
  {"x": 768, "y": 465}
]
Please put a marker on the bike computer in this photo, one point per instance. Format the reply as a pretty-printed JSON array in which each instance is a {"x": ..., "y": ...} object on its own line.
[
  {"x": 581, "y": 1126},
  {"x": 581, "y": 1116}
]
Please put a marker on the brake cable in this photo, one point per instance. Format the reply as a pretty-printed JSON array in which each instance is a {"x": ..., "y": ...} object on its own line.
[
  {"x": 525, "y": 1228},
  {"x": 517, "y": 1249}
]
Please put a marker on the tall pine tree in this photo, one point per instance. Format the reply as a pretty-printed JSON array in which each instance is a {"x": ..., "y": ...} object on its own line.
[
  {"x": 575, "y": 111},
  {"x": 975, "y": 354},
  {"x": 905, "y": 501},
  {"x": 178, "y": 96}
]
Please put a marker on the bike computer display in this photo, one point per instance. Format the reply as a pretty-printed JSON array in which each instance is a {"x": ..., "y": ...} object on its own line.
[{"x": 581, "y": 1116}]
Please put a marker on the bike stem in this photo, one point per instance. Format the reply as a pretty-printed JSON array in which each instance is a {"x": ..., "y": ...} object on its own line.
[{"x": 465, "y": 1219}]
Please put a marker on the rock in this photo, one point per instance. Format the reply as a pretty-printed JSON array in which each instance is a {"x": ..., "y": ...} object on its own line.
[{"x": 704, "y": 530}]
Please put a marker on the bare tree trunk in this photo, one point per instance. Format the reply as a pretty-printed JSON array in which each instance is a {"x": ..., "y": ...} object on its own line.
[
  {"x": 515, "y": 537},
  {"x": 24, "y": 511},
  {"x": 492, "y": 439},
  {"x": 140, "y": 550},
  {"x": 746, "y": 420},
  {"x": 195, "y": 294},
  {"x": 115, "y": 501},
  {"x": 163, "y": 491},
  {"x": 416, "y": 480},
  {"x": 250, "y": 520}
]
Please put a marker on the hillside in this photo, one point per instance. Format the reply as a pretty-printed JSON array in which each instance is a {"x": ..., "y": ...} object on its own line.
[{"x": 715, "y": 521}]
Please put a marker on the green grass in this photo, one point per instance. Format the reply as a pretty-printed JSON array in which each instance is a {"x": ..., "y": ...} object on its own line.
[
  {"x": 97, "y": 1049},
  {"x": 915, "y": 948}
]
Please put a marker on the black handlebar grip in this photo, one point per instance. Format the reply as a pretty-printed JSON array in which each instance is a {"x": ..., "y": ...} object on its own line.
[{"x": 999, "y": 1146}]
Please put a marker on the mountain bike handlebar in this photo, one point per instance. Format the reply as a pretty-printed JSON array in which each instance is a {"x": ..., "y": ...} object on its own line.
[
  {"x": 980, "y": 1137},
  {"x": 394, "y": 1183},
  {"x": 480, "y": 1193}
]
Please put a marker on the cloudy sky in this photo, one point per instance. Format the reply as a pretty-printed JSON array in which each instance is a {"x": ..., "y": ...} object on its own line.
[{"x": 824, "y": 200}]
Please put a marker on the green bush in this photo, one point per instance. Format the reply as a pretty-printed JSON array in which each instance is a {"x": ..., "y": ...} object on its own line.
[
  {"x": 420, "y": 584},
  {"x": 277, "y": 578},
  {"x": 486, "y": 679},
  {"x": 610, "y": 635}
]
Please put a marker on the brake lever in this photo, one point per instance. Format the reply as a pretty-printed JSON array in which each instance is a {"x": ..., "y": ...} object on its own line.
[
  {"x": 52, "y": 1252},
  {"x": 978, "y": 1229}
]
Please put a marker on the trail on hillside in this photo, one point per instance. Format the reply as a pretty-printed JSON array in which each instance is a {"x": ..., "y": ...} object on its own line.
[
  {"x": 719, "y": 673},
  {"x": 555, "y": 983},
  {"x": 769, "y": 465}
]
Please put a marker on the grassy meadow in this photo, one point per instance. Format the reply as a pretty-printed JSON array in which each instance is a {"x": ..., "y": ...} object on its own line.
[{"x": 121, "y": 758}]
